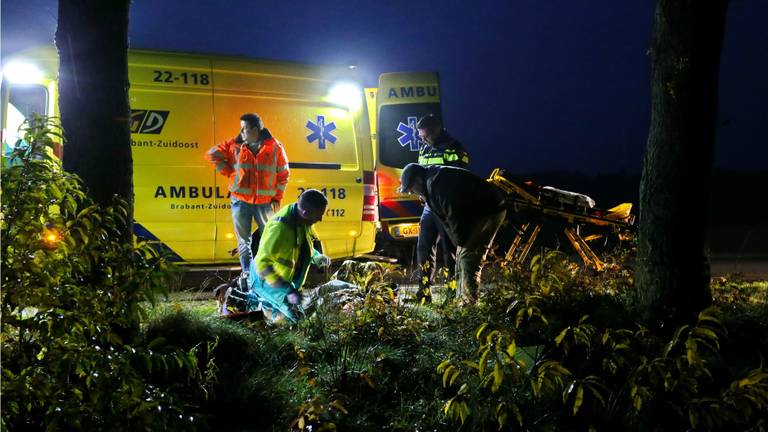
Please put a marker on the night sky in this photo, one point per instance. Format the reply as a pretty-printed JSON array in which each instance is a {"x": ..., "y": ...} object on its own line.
[{"x": 528, "y": 85}]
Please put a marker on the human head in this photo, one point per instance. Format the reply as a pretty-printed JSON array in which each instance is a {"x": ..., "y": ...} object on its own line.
[
  {"x": 429, "y": 128},
  {"x": 412, "y": 179},
  {"x": 250, "y": 127},
  {"x": 311, "y": 206}
]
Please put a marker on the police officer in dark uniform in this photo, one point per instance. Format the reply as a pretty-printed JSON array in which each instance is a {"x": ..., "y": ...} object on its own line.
[
  {"x": 438, "y": 149},
  {"x": 471, "y": 211}
]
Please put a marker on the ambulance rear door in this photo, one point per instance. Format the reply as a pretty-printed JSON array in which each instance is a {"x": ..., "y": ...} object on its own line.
[{"x": 402, "y": 98}]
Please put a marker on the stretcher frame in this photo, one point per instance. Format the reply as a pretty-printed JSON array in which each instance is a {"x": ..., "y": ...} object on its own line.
[{"x": 521, "y": 200}]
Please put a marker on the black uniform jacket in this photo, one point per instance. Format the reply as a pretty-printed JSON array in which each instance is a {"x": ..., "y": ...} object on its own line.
[{"x": 460, "y": 199}]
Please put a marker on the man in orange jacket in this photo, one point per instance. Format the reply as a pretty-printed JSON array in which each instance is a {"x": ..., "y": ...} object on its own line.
[{"x": 257, "y": 168}]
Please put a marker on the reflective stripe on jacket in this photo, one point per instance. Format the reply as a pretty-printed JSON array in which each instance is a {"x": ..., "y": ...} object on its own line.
[
  {"x": 280, "y": 248},
  {"x": 253, "y": 178},
  {"x": 444, "y": 151}
]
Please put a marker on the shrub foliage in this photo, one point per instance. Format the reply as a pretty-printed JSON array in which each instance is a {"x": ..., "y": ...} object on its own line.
[{"x": 72, "y": 296}]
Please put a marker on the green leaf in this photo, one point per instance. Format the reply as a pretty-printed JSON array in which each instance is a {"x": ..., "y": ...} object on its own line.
[
  {"x": 158, "y": 341},
  {"x": 579, "y": 399},
  {"x": 447, "y": 406},
  {"x": 454, "y": 377},
  {"x": 470, "y": 364},
  {"x": 693, "y": 417},
  {"x": 447, "y": 374},
  {"x": 511, "y": 349},
  {"x": 483, "y": 362},
  {"x": 489, "y": 337},
  {"x": 441, "y": 367},
  {"x": 463, "y": 411},
  {"x": 498, "y": 377},
  {"x": 480, "y": 330}
]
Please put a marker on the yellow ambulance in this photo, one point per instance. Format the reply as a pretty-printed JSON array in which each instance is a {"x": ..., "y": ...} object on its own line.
[{"x": 349, "y": 143}]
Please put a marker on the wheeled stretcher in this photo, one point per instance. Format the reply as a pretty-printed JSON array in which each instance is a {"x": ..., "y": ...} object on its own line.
[{"x": 540, "y": 203}]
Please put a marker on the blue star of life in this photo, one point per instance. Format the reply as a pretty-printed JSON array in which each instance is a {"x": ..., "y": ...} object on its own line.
[
  {"x": 321, "y": 132},
  {"x": 410, "y": 135}
]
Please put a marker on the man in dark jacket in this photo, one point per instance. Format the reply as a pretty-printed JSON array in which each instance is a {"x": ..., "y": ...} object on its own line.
[
  {"x": 470, "y": 209},
  {"x": 441, "y": 149}
]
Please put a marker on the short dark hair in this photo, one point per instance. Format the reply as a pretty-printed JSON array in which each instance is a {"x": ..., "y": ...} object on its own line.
[
  {"x": 429, "y": 122},
  {"x": 313, "y": 198},
  {"x": 253, "y": 121},
  {"x": 411, "y": 172}
]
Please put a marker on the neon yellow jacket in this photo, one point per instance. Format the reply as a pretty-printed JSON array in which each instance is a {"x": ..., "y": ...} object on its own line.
[{"x": 280, "y": 248}]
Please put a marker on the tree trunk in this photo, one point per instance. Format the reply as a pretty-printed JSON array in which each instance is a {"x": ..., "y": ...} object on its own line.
[
  {"x": 92, "y": 40},
  {"x": 672, "y": 278}
]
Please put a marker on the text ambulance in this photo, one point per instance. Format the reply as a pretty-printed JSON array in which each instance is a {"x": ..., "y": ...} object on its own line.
[{"x": 182, "y": 104}]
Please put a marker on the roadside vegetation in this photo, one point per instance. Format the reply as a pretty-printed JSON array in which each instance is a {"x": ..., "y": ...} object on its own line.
[{"x": 88, "y": 343}]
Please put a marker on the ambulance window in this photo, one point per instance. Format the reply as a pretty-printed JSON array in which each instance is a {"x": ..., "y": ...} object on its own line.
[
  {"x": 28, "y": 99},
  {"x": 397, "y": 132},
  {"x": 23, "y": 101}
]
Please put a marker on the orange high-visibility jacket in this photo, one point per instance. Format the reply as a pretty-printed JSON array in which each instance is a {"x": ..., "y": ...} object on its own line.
[{"x": 255, "y": 179}]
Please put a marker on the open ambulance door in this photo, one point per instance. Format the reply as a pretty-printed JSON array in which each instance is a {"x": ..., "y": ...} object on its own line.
[{"x": 401, "y": 100}]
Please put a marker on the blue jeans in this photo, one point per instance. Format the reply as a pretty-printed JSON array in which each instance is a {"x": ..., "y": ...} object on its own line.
[{"x": 242, "y": 215}]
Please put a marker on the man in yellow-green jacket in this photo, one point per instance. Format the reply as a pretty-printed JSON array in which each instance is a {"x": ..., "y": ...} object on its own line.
[{"x": 285, "y": 253}]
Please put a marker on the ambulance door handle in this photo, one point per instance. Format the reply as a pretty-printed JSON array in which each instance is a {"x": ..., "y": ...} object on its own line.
[{"x": 358, "y": 180}]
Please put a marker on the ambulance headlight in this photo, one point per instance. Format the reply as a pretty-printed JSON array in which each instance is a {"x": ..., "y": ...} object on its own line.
[
  {"x": 22, "y": 73},
  {"x": 347, "y": 94}
]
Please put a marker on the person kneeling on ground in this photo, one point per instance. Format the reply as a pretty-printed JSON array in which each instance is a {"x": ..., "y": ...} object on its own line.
[{"x": 285, "y": 252}]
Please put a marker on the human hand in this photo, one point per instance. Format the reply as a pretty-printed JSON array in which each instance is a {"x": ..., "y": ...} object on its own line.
[
  {"x": 293, "y": 298},
  {"x": 322, "y": 260},
  {"x": 275, "y": 206}
]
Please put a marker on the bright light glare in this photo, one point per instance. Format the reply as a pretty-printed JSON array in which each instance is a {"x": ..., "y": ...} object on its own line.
[
  {"x": 347, "y": 94},
  {"x": 22, "y": 73},
  {"x": 51, "y": 237},
  {"x": 229, "y": 236},
  {"x": 352, "y": 233}
]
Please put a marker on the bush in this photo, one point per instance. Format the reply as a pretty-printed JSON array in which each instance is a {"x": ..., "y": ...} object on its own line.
[
  {"x": 544, "y": 361},
  {"x": 71, "y": 305},
  {"x": 251, "y": 386},
  {"x": 548, "y": 348}
]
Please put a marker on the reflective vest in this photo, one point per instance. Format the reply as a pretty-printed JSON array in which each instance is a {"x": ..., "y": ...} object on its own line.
[
  {"x": 444, "y": 151},
  {"x": 280, "y": 248},
  {"x": 253, "y": 178}
]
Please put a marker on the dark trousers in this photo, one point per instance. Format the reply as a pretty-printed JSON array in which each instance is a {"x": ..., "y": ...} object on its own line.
[
  {"x": 431, "y": 232},
  {"x": 469, "y": 257}
]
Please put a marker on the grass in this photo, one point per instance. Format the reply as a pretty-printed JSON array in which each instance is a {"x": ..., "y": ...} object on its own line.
[{"x": 374, "y": 367}]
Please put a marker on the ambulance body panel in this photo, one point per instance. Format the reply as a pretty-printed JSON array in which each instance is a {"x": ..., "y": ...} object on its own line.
[{"x": 183, "y": 104}]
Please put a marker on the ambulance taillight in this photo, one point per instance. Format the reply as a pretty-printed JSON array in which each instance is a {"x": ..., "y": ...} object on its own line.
[{"x": 370, "y": 206}]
